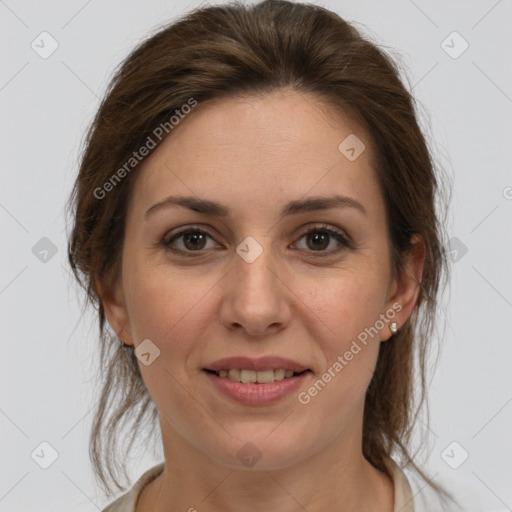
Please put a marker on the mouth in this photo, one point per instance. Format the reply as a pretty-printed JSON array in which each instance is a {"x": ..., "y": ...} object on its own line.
[
  {"x": 256, "y": 387},
  {"x": 256, "y": 381},
  {"x": 246, "y": 376}
]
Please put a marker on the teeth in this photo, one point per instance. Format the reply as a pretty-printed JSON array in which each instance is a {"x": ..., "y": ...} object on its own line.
[
  {"x": 234, "y": 375},
  {"x": 279, "y": 374},
  {"x": 264, "y": 376},
  {"x": 250, "y": 376}
]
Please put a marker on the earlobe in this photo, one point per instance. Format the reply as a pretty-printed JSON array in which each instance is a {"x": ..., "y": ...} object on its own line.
[
  {"x": 112, "y": 299},
  {"x": 406, "y": 287}
]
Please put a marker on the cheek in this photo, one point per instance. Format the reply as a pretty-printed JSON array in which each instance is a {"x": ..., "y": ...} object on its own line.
[
  {"x": 165, "y": 305},
  {"x": 342, "y": 313},
  {"x": 341, "y": 318},
  {"x": 343, "y": 305},
  {"x": 171, "y": 311}
]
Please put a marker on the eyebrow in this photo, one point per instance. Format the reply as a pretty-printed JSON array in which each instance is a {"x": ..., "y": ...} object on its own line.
[{"x": 295, "y": 207}]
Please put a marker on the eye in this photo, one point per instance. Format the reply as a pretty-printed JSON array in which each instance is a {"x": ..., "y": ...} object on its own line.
[
  {"x": 195, "y": 240},
  {"x": 318, "y": 238}
]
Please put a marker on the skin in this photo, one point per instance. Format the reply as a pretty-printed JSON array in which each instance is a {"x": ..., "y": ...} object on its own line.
[{"x": 253, "y": 155}]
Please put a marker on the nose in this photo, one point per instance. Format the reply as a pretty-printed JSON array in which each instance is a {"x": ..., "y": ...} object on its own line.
[{"x": 256, "y": 298}]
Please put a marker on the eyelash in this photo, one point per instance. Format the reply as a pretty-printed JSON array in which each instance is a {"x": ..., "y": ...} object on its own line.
[{"x": 333, "y": 232}]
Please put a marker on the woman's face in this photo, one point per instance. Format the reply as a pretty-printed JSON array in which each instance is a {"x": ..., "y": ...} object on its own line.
[{"x": 251, "y": 283}]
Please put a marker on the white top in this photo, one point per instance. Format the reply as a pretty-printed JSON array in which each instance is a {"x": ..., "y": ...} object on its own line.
[{"x": 411, "y": 494}]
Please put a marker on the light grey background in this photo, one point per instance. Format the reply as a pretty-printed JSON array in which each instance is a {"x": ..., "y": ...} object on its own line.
[{"x": 47, "y": 358}]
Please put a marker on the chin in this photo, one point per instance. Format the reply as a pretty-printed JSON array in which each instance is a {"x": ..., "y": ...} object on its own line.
[{"x": 260, "y": 453}]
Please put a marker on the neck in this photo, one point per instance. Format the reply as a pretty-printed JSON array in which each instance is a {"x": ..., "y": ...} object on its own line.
[{"x": 336, "y": 478}]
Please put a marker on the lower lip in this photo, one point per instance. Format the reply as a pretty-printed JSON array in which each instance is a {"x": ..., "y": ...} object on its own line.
[{"x": 257, "y": 394}]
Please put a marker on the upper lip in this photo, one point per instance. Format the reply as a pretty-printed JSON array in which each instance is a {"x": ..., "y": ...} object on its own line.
[{"x": 256, "y": 364}]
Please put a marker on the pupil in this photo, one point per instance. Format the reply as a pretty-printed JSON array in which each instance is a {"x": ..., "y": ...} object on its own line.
[
  {"x": 316, "y": 238},
  {"x": 193, "y": 236}
]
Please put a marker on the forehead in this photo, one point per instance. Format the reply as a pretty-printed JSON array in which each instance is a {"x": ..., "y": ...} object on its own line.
[{"x": 261, "y": 149}]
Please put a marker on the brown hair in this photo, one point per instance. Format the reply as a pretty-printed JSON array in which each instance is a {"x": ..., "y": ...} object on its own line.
[{"x": 230, "y": 50}]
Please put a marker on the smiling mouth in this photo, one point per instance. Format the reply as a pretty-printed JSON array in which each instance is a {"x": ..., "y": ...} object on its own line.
[{"x": 256, "y": 377}]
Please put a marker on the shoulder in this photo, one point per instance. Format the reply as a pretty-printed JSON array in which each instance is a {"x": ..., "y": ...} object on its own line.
[
  {"x": 127, "y": 502},
  {"x": 427, "y": 499}
]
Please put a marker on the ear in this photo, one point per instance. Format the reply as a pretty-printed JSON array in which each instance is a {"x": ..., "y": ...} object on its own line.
[
  {"x": 114, "y": 304},
  {"x": 404, "y": 289}
]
